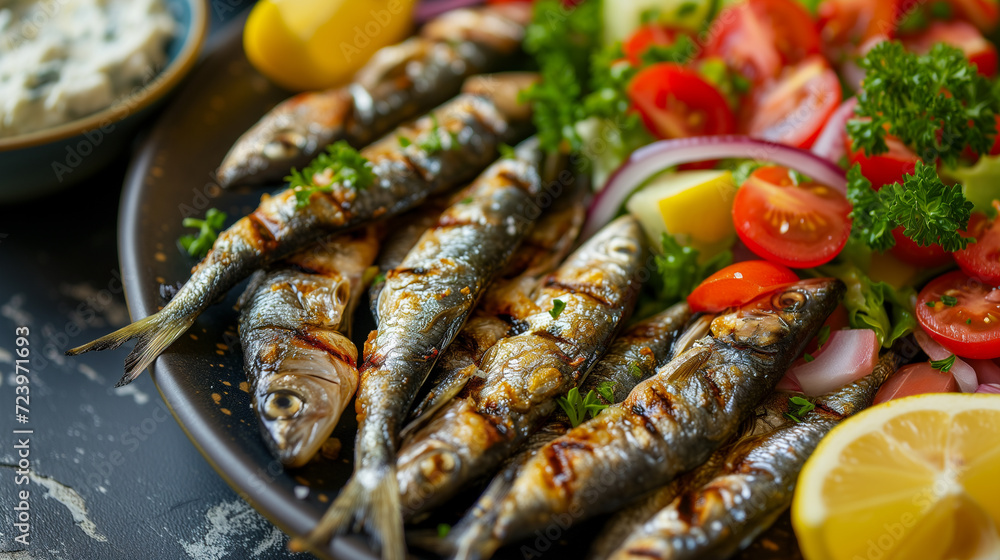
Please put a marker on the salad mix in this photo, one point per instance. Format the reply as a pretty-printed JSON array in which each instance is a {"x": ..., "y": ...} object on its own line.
[{"x": 766, "y": 140}]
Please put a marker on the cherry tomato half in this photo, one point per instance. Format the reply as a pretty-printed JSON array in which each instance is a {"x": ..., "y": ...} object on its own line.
[
  {"x": 675, "y": 102},
  {"x": 759, "y": 37},
  {"x": 982, "y": 258},
  {"x": 884, "y": 169},
  {"x": 647, "y": 36},
  {"x": 927, "y": 256},
  {"x": 971, "y": 327},
  {"x": 794, "y": 109},
  {"x": 852, "y": 23},
  {"x": 984, "y": 14},
  {"x": 738, "y": 284},
  {"x": 961, "y": 35},
  {"x": 795, "y": 224}
]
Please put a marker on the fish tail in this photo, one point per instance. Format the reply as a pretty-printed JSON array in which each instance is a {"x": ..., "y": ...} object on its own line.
[
  {"x": 154, "y": 333},
  {"x": 370, "y": 504}
]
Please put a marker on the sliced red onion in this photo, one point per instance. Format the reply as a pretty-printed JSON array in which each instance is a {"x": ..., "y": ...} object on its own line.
[
  {"x": 830, "y": 142},
  {"x": 990, "y": 388},
  {"x": 789, "y": 384},
  {"x": 650, "y": 160},
  {"x": 987, "y": 371},
  {"x": 960, "y": 370},
  {"x": 915, "y": 379},
  {"x": 846, "y": 357}
]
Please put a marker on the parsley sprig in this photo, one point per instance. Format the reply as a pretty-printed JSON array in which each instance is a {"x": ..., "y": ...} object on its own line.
[
  {"x": 557, "y": 308},
  {"x": 943, "y": 365},
  {"x": 340, "y": 165},
  {"x": 937, "y": 104},
  {"x": 928, "y": 210},
  {"x": 577, "y": 407},
  {"x": 680, "y": 271},
  {"x": 208, "y": 232},
  {"x": 802, "y": 406}
]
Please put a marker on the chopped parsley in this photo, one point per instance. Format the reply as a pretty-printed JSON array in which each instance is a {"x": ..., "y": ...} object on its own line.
[
  {"x": 679, "y": 271},
  {"x": 944, "y": 366},
  {"x": 340, "y": 165},
  {"x": 937, "y": 104},
  {"x": 950, "y": 301},
  {"x": 577, "y": 407},
  {"x": 506, "y": 151},
  {"x": 208, "y": 232},
  {"x": 379, "y": 278},
  {"x": 607, "y": 391},
  {"x": 928, "y": 210},
  {"x": 404, "y": 141},
  {"x": 807, "y": 357},
  {"x": 798, "y": 408},
  {"x": 557, "y": 308},
  {"x": 635, "y": 370},
  {"x": 466, "y": 200},
  {"x": 433, "y": 142},
  {"x": 443, "y": 529},
  {"x": 823, "y": 336}
]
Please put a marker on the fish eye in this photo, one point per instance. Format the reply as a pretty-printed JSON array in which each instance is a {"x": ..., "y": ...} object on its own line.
[
  {"x": 791, "y": 300},
  {"x": 281, "y": 405}
]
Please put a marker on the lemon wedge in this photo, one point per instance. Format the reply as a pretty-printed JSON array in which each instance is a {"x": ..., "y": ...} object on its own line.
[
  {"x": 695, "y": 206},
  {"x": 916, "y": 478},
  {"x": 317, "y": 44}
]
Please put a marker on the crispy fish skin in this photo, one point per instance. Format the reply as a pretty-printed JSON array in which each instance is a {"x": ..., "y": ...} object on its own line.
[
  {"x": 406, "y": 231},
  {"x": 670, "y": 423},
  {"x": 423, "y": 305},
  {"x": 632, "y": 357},
  {"x": 398, "y": 83},
  {"x": 507, "y": 302},
  {"x": 755, "y": 486},
  {"x": 404, "y": 178},
  {"x": 625, "y": 521},
  {"x": 301, "y": 367},
  {"x": 524, "y": 374}
]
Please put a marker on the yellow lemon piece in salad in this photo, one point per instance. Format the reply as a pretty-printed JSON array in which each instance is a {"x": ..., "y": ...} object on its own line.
[
  {"x": 914, "y": 478},
  {"x": 695, "y": 206},
  {"x": 317, "y": 44}
]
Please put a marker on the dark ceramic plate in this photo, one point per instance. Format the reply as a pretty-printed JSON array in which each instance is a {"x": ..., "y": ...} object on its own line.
[{"x": 201, "y": 376}]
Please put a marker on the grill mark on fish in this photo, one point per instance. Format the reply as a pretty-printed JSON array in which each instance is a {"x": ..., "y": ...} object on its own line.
[
  {"x": 580, "y": 289},
  {"x": 311, "y": 340}
]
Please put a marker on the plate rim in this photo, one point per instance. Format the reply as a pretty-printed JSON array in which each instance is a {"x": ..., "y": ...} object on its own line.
[{"x": 221, "y": 453}]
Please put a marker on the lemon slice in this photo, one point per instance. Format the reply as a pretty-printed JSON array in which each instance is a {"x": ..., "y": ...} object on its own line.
[{"x": 914, "y": 478}]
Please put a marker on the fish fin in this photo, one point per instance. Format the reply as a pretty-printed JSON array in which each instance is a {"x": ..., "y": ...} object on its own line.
[
  {"x": 369, "y": 507},
  {"x": 434, "y": 402},
  {"x": 155, "y": 333},
  {"x": 690, "y": 362}
]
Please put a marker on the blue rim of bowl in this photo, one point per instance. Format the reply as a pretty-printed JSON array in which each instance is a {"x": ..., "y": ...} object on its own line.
[{"x": 161, "y": 84}]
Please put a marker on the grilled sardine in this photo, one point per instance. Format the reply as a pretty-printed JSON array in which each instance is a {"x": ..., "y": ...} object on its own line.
[{"x": 301, "y": 367}]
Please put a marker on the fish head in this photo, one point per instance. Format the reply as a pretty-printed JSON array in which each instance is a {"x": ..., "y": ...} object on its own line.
[
  {"x": 783, "y": 319},
  {"x": 297, "y": 413},
  {"x": 427, "y": 469}
]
